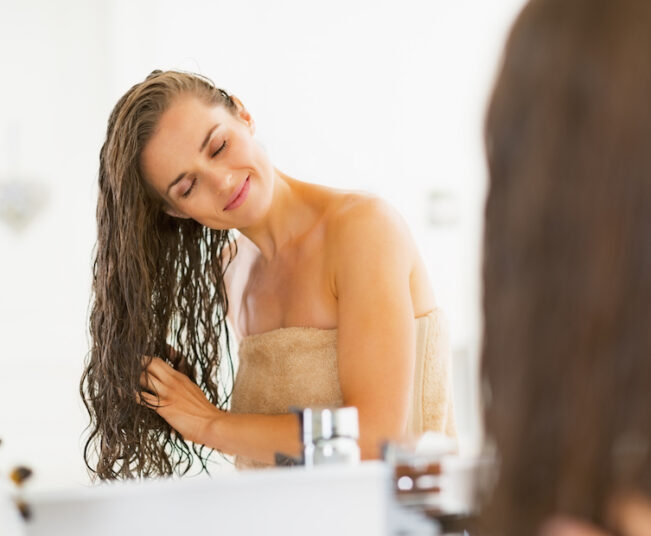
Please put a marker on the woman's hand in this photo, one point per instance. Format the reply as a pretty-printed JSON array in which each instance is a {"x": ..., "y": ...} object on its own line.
[{"x": 180, "y": 401}]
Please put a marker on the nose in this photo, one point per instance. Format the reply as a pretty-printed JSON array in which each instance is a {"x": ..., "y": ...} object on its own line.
[{"x": 220, "y": 181}]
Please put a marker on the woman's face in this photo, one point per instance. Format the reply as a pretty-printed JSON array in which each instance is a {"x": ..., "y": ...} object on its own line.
[{"x": 205, "y": 164}]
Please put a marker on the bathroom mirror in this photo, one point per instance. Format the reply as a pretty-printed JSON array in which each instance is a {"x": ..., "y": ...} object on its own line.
[{"x": 362, "y": 95}]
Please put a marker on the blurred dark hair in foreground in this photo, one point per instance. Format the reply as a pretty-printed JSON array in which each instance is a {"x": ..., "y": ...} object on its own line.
[{"x": 567, "y": 268}]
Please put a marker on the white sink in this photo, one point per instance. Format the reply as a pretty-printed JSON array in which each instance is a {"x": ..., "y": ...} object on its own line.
[{"x": 289, "y": 501}]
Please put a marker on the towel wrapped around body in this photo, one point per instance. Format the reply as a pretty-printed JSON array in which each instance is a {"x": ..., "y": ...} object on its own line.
[{"x": 297, "y": 366}]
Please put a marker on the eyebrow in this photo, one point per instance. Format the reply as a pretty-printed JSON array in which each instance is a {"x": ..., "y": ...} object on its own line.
[{"x": 203, "y": 146}]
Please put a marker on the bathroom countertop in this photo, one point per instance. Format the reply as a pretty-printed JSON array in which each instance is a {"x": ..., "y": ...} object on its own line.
[{"x": 289, "y": 501}]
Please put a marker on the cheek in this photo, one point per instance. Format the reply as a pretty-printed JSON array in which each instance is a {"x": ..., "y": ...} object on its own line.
[{"x": 249, "y": 154}]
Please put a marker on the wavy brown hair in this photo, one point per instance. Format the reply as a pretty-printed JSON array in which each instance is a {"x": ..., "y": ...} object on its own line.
[
  {"x": 158, "y": 290},
  {"x": 567, "y": 263}
]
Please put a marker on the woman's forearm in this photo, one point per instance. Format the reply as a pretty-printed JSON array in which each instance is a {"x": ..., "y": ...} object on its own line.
[
  {"x": 255, "y": 436},
  {"x": 259, "y": 436}
]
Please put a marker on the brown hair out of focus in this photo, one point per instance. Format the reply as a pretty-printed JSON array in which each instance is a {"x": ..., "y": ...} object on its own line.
[{"x": 567, "y": 264}]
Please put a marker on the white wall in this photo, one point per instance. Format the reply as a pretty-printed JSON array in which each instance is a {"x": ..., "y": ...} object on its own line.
[
  {"x": 52, "y": 56},
  {"x": 370, "y": 95}
]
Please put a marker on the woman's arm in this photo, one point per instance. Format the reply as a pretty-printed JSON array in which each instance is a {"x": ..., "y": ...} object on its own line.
[
  {"x": 376, "y": 338},
  {"x": 255, "y": 436}
]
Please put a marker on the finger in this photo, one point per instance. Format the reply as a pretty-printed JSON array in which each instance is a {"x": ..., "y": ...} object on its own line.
[
  {"x": 160, "y": 368},
  {"x": 147, "y": 400},
  {"x": 151, "y": 383},
  {"x": 148, "y": 363}
]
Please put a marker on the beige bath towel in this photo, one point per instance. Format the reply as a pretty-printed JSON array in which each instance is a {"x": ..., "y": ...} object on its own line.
[{"x": 297, "y": 366}]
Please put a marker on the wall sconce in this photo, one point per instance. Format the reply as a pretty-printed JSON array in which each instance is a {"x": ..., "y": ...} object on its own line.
[{"x": 20, "y": 201}]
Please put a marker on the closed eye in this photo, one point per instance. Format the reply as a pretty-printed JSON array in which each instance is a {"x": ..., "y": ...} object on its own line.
[
  {"x": 194, "y": 180},
  {"x": 218, "y": 150},
  {"x": 187, "y": 192}
]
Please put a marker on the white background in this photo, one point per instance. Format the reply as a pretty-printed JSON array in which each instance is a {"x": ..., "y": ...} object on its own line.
[{"x": 380, "y": 96}]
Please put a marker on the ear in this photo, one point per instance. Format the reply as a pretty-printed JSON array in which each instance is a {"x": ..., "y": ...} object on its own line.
[
  {"x": 243, "y": 114},
  {"x": 175, "y": 213}
]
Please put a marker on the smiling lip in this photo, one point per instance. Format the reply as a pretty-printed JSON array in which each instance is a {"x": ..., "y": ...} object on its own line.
[{"x": 239, "y": 197}]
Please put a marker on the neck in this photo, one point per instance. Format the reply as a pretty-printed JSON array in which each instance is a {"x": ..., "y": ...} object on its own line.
[{"x": 289, "y": 216}]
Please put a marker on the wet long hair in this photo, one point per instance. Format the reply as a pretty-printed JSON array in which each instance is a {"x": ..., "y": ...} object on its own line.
[
  {"x": 157, "y": 289},
  {"x": 567, "y": 263}
]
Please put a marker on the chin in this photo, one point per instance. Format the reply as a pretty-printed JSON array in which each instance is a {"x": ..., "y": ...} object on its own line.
[
  {"x": 251, "y": 217},
  {"x": 257, "y": 205}
]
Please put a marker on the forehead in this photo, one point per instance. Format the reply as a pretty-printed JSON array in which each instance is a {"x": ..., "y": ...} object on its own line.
[{"x": 177, "y": 139}]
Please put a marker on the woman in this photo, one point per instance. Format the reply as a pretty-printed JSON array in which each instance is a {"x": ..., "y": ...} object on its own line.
[
  {"x": 567, "y": 273},
  {"x": 324, "y": 289}
]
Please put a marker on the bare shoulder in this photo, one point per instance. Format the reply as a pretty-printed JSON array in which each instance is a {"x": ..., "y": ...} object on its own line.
[
  {"x": 357, "y": 219},
  {"x": 367, "y": 234}
]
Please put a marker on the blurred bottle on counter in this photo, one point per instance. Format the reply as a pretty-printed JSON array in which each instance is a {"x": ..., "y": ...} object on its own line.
[
  {"x": 328, "y": 436},
  {"x": 335, "y": 433}
]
